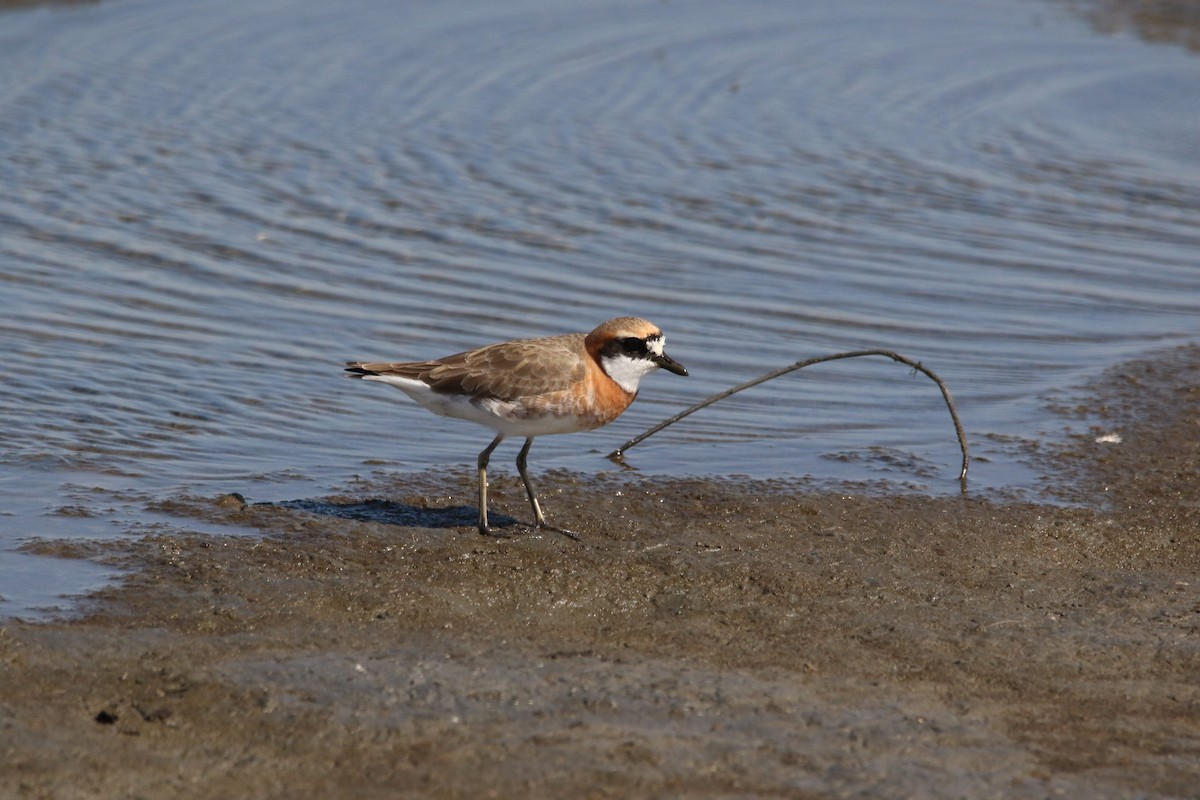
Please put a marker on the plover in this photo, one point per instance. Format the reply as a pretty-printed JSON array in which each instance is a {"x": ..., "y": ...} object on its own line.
[{"x": 533, "y": 387}]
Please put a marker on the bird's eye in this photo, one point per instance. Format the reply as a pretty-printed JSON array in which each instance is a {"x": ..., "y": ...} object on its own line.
[{"x": 633, "y": 345}]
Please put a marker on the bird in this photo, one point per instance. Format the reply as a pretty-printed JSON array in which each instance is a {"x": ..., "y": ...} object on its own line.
[{"x": 533, "y": 387}]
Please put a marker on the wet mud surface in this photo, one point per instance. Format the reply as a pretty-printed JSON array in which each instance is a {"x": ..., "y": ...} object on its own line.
[{"x": 705, "y": 639}]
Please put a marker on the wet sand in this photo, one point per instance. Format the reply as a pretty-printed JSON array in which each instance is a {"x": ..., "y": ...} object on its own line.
[{"x": 706, "y": 639}]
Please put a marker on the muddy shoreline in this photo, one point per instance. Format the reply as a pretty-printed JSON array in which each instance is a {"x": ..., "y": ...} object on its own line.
[{"x": 706, "y": 639}]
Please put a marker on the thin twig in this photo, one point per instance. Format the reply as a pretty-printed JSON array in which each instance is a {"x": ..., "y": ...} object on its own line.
[{"x": 619, "y": 453}]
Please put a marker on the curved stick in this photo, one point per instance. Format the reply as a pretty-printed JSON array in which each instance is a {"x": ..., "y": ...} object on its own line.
[{"x": 618, "y": 454}]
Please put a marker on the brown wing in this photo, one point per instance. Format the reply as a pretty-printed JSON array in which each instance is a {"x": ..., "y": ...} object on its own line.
[{"x": 507, "y": 370}]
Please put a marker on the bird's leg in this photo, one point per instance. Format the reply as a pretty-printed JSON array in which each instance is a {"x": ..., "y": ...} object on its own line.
[
  {"x": 539, "y": 521},
  {"x": 483, "y": 462}
]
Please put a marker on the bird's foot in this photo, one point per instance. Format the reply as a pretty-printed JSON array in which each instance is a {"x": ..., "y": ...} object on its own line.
[
  {"x": 488, "y": 530},
  {"x": 542, "y": 525}
]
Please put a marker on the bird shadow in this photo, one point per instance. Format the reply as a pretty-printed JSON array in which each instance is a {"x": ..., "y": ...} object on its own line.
[{"x": 391, "y": 512}]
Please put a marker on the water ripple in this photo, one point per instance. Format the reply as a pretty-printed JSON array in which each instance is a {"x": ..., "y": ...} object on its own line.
[{"x": 209, "y": 206}]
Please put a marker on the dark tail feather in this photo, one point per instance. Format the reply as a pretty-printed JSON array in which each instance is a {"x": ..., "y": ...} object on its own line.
[{"x": 357, "y": 370}]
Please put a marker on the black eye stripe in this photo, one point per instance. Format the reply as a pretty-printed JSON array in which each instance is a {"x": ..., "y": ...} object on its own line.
[
  {"x": 634, "y": 346},
  {"x": 629, "y": 346}
]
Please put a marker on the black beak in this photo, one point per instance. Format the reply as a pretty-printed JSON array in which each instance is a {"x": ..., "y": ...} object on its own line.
[{"x": 670, "y": 364}]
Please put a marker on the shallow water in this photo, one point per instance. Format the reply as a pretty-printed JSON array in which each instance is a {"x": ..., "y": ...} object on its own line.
[{"x": 208, "y": 207}]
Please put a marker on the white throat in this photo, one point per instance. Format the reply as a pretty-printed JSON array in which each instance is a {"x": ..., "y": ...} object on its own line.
[{"x": 627, "y": 372}]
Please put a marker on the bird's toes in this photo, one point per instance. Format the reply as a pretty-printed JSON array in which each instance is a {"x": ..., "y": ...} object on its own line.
[{"x": 542, "y": 525}]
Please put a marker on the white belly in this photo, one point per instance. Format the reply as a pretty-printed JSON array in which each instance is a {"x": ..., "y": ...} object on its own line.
[{"x": 508, "y": 417}]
